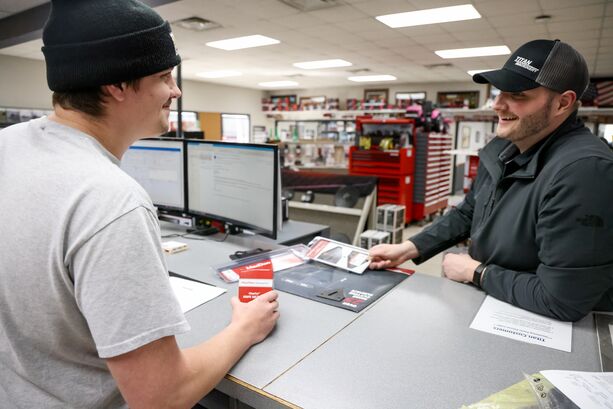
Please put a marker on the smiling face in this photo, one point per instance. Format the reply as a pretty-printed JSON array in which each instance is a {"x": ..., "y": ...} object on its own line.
[
  {"x": 150, "y": 103},
  {"x": 526, "y": 117}
]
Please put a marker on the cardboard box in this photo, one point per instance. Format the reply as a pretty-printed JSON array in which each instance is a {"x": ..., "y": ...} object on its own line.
[
  {"x": 365, "y": 238},
  {"x": 381, "y": 216},
  {"x": 380, "y": 237},
  {"x": 394, "y": 217},
  {"x": 396, "y": 236}
]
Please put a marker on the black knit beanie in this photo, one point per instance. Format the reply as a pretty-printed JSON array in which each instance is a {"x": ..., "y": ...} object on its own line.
[{"x": 88, "y": 43}]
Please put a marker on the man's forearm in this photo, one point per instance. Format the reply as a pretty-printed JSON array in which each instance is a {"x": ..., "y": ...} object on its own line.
[{"x": 207, "y": 363}]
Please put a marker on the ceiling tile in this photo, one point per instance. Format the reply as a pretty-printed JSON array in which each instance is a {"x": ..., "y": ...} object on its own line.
[
  {"x": 508, "y": 8},
  {"x": 583, "y": 12},
  {"x": 338, "y": 14},
  {"x": 382, "y": 7}
]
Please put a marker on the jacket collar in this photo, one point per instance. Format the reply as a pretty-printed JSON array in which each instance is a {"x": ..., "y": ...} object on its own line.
[{"x": 497, "y": 148}]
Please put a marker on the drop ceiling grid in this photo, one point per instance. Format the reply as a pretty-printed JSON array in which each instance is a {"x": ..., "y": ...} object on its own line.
[{"x": 351, "y": 32}]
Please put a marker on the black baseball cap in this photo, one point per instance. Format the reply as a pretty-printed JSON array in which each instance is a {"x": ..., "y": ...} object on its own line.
[{"x": 548, "y": 63}]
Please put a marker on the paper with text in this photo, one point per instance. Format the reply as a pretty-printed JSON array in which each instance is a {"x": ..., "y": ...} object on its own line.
[
  {"x": 191, "y": 293},
  {"x": 588, "y": 390},
  {"x": 498, "y": 317}
]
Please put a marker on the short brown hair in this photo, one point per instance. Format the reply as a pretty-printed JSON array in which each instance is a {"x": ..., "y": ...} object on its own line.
[{"x": 90, "y": 101}]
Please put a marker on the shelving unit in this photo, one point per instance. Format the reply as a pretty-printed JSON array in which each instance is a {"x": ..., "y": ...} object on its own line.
[{"x": 315, "y": 142}]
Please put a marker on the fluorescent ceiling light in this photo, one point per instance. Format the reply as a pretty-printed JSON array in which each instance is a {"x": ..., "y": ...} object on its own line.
[
  {"x": 473, "y": 72},
  {"x": 430, "y": 16},
  {"x": 313, "y": 65},
  {"x": 276, "y": 84},
  {"x": 219, "y": 74},
  {"x": 372, "y": 78},
  {"x": 474, "y": 52},
  {"x": 243, "y": 42}
]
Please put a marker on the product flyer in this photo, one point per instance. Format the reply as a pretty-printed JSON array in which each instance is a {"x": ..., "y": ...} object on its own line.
[{"x": 339, "y": 255}]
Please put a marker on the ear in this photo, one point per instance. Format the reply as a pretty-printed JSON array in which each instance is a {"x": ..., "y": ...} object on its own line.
[
  {"x": 116, "y": 91},
  {"x": 566, "y": 101}
]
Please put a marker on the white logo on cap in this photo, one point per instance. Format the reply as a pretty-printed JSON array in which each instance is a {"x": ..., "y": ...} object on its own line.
[
  {"x": 172, "y": 37},
  {"x": 525, "y": 63}
]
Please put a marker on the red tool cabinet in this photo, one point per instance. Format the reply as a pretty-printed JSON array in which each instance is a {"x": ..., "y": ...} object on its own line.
[{"x": 416, "y": 175}]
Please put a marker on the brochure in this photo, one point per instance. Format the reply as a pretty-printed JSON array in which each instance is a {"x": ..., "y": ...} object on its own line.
[{"x": 337, "y": 254}]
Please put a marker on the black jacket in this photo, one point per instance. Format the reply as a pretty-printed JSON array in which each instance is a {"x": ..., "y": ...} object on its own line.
[{"x": 544, "y": 228}]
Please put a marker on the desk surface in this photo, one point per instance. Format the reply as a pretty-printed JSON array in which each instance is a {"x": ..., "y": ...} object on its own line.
[{"x": 412, "y": 348}]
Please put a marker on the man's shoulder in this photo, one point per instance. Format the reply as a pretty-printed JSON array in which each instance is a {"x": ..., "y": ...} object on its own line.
[{"x": 579, "y": 144}]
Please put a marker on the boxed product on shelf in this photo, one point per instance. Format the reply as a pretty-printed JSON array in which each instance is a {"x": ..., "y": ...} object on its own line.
[
  {"x": 371, "y": 238},
  {"x": 390, "y": 217},
  {"x": 381, "y": 216},
  {"x": 396, "y": 236},
  {"x": 380, "y": 237},
  {"x": 394, "y": 217},
  {"x": 365, "y": 238}
]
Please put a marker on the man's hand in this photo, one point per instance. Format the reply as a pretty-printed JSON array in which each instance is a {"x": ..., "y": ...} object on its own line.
[
  {"x": 459, "y": 267},
  {"x": 256, "y": 318},
  {"x": 391, "y": 255}
]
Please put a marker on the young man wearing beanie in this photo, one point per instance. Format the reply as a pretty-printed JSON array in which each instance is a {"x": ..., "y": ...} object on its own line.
[
  {"x": 87, "y": 315},
  {"x": 539, "y": 214}
]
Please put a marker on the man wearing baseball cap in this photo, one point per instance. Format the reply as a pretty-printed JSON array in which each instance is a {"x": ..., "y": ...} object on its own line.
[
  {"x": 539, "y": 214},
  {"x": 87, "y": 315}
]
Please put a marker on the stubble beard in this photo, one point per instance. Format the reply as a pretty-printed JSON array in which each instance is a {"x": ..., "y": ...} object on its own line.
[{"x": 530, "y": 125}]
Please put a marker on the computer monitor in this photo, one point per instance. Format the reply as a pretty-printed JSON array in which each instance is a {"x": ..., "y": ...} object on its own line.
[
  {"x": 235, "y": 183},
  {"x": 158, "y": 166}
]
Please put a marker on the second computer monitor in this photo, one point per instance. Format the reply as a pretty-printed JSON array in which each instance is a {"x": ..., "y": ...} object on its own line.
[{"x": 235, "y": 183}]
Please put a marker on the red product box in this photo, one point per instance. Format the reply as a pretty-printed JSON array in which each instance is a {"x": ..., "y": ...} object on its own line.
[{"x": 255, "y": 279}]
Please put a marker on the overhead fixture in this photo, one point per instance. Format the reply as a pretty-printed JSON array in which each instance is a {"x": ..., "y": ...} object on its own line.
[
  {"x": 430, "y": 16},
  {"x": 438, "y": 65},
  {"x": 310, "y": 5},
  {"x": 196, "y": 24},
  {"x": 278, "y": 84},
  {"x": 543, "y": 18},
  {"x": 358, "y": 70},
  {"x": 474, "y": 52},
  {"x": 372, "y": 78},
  {"x": 243, "y": 42},
  {"x": 473, "y": 72},
  {"x": 314, "y": 65},
  {"x": 219, "y": 74}
]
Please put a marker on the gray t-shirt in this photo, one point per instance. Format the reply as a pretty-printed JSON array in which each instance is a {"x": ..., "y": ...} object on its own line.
[{"x": 82, "y": 274}]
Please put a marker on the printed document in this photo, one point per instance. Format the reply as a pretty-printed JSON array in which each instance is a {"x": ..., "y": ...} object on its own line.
[
  {"x": 498, "y": 317},
  {"x": 192, "y": 293},
  {"x": 588, "y": 390}
]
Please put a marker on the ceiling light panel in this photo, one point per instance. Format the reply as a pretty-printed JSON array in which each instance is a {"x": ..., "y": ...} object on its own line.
[
  {"x": 320, "y": 64},
  {"x": 474, "y": 52},
  {"x": 243, "y": 42},
  {"x": 372, "y": 78},
  {"x": 430, "y": 16}
]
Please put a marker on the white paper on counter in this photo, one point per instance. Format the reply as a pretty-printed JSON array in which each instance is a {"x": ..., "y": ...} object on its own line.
[
  {"x": 191, "y": 293},
  {"x": 588, "y": 390},
  {"x": 498, "y": 317}
]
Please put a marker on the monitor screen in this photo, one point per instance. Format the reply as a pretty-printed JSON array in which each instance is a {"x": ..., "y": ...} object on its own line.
[
  {"x": 235, "y": 183},
  {"x": 157, "y": 165}
]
